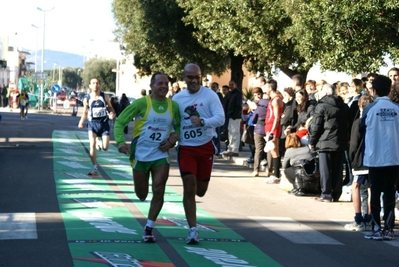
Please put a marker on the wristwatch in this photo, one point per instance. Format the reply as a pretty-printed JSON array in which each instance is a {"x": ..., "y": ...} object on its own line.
[{"x": 202, "y": 122}]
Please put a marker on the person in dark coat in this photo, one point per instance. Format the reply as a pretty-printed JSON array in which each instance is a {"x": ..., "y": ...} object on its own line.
[
  {"x": 328, "y": 135},
  {"x": 124, "y": 103}
]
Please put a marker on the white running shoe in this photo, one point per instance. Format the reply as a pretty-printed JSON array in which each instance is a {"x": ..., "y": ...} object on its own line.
[
  {"x": 355, "y": 227},
  {"x": 99, "y": 143},
  {"x": 192, "y": 237},
  {"x": 272, "y": 180}
]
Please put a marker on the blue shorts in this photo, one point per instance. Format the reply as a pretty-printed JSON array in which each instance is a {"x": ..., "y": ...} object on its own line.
[
  {"x": 361, "y": 179},
  {"x": 99, "y": 128}
]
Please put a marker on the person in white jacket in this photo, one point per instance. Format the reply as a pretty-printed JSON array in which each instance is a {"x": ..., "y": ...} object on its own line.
[{"x": 380, "y": 127}]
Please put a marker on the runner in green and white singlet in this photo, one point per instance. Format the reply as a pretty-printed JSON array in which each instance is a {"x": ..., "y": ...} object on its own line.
[{"x": 156, "y": 129}]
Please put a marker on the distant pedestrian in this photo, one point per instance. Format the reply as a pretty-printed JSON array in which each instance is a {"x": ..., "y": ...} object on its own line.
[{"x": 22, "y": 100}]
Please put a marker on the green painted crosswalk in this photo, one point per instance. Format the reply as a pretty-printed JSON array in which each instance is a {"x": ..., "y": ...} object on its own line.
[{"x": 102, "y": 230}]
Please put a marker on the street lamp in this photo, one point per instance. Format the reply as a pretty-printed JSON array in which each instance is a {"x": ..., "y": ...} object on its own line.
[
  {"x": 44, "y": 38},
  {"x": 37, "y": 41}
]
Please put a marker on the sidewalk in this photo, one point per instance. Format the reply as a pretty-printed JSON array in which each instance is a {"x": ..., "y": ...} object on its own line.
[{"x": 241, "y": 160}]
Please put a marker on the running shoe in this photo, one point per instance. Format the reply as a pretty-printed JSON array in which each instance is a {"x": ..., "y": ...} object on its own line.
[
  {"x": 93, "y": 172},
  {"x": 375, "y": 235},
  {"x": 388, "y": 235},
  {"x": 355, "y": 227},
  {"x": 272, "y": 180},
  {"x": 99, "y": 143},
  {"x": 147, "y": 234},
  {"x": 192, "y": 237}
]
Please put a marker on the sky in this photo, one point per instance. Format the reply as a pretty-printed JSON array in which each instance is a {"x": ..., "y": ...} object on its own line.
[{"x": 81, "y": 27}]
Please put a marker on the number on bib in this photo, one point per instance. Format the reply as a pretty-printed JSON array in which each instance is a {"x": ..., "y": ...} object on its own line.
[{"x": 192, "y": 133}]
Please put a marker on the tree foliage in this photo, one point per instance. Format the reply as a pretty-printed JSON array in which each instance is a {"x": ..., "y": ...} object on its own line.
[
  {"x": 71, "y": 78},
  {"x": 349, "y": 36},
  {"x": 152, "y": 30},
  {"x": 293, "y": 35},
  {"x": 102, "y": 69}
]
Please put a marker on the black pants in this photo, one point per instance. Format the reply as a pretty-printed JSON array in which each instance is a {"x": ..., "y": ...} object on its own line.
[
  {"x": 383, "y": 179},
  {"x": 290, "y": 175},
  {"x": 331, "y": 167}
]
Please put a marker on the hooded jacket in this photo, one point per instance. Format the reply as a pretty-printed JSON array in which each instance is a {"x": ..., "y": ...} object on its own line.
[
  {"x": 380, "y": 127},
  {"x": 329, "y": 129}
]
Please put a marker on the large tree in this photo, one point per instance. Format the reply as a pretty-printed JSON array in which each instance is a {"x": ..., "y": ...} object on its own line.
[{"x": 153, "y": 31}]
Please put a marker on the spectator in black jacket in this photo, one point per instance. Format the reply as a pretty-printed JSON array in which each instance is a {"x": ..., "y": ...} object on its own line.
[
  {"x": 328, "y": 135},
  {"x": 233, "y": 119},
  {"x": 124, "y": 103},
  {"x": 288, "y": 118}
]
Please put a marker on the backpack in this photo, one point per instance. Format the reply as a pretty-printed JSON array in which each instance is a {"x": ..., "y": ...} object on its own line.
[{"x": 307, "y": 175}]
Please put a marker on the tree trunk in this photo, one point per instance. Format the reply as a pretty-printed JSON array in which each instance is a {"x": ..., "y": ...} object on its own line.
[
  {"x": 289, "y": 72},
  {"x": 237, "y": 74}
]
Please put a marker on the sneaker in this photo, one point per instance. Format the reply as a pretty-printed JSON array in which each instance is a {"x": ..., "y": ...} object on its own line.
[
  {"x": 375, "y": 235},
  {"x": 99, "y": 143},
  {"x": 355, "y": 227},
  {"x": 147, "y": 234},
  {"x": 255, "y": 174},
  {"x": 93, "y": 172},
  {"x": 250, "y": 160},
  {"x": 26, "y": 117},
  {"x": 192, "y": 237},
  {"x": 272, "y": 180},
  {"x": 388, "y": 235},
  {"x": 230, "y": 154},
  {"x": 263, "y": 162}
]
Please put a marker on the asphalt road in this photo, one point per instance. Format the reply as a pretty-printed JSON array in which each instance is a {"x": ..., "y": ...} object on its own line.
[{"x": 293, "y": 231}]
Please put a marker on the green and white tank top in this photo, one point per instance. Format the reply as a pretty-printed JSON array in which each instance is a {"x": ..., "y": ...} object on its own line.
[{"x": 150, "y": 130}]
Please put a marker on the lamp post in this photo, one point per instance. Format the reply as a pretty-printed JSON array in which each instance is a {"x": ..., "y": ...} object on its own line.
[
  {"x": 37, "y": 41},
  {"x": 44, "y": 38}
]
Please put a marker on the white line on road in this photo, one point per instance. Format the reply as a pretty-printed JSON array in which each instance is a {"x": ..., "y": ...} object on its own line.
[
  {"x": 294, "y": 231},
  {"x": 18, "y": 226}
]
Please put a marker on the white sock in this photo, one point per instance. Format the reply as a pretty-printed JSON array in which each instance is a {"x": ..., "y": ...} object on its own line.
[{"x": 150, "y": 223}]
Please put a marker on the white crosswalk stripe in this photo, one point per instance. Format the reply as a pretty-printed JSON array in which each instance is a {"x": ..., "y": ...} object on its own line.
[
  {"x": 295, "y": 231},
  {"x": 18, "y": 226}
]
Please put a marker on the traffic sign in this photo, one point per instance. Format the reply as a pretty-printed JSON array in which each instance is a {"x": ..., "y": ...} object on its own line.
[
  {"x": 39, "y": 75},
  {"x": 55, "y": 88}
]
